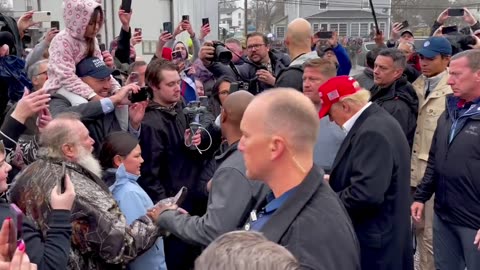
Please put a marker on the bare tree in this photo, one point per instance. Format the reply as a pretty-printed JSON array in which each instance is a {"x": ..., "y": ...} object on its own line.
[{"x": 265, "y": 12}]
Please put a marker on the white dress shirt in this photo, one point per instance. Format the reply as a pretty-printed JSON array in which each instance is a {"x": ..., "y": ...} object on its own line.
[{"x": 350, "y": 122}]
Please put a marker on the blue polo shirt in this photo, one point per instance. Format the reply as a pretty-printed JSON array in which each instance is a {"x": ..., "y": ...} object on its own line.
[{"x": 273, "y": 204}]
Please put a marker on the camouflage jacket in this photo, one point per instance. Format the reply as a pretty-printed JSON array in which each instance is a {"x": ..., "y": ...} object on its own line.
[{"x": 101, "y": 238}]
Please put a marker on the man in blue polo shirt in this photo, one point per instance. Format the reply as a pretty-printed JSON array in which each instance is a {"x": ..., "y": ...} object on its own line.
[{"x": 302, "y": 213}]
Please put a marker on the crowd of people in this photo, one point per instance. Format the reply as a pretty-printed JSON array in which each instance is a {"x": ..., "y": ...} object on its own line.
[{"x": 215, "y": 157}]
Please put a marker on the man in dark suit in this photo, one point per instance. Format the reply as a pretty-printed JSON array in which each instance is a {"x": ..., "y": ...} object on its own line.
[
  {"x": 302, "y": 213},
  {"x": 371, "y": 174}
]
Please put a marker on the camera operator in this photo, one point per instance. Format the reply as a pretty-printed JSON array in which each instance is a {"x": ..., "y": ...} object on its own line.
[
  {"x": 468, "y": 17},
  {"x": 169, "y": 162},
  {"x": 261, "y": 69}
]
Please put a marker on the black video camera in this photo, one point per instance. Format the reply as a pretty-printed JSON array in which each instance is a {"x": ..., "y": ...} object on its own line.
[{"x": 222, "y": 54}]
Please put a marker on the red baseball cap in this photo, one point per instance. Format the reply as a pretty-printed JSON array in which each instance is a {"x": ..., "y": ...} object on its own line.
[
  {"x": 332, "y": 90},
  {"x": 167, "y": 53}
]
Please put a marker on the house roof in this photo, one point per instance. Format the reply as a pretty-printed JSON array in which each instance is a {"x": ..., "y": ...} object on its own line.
[{"x": 343, "y": 14}]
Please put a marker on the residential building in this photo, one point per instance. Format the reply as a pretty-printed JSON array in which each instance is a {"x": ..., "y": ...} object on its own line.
[
  {"x": 352, "y": 18},
  {"x": 232, "y": 19}
]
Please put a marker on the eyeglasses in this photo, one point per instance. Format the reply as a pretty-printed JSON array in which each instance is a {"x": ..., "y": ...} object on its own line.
[{"x": 254, "y": 46}]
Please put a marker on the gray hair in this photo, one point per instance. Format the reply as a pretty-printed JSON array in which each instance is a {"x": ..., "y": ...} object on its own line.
[
  {"x": 241, "y": 250},
  {"x": 57, "y": 133},
  {"x": 399, "y": 59},
  {"x": 472, "y": 56},
  {"x": 34, "y": 68},
  {"x": 233, "y": 40}
]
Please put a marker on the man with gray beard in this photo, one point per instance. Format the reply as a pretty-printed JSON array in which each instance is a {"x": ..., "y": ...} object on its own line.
[{"x": 101, "y": 238}]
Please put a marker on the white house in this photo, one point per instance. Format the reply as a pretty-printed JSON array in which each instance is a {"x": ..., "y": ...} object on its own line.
[
  {"x": 349, "y": 18},
  {"x": 234, "y": 18}
]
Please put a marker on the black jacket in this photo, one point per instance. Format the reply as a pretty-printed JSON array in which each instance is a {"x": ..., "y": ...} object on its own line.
[
  {"x": 313, "y": 225},
  {"x": 168, "y": 163},
  {"x": 452, "y": 169},
  {"x": 50, "y": 251},
  {"x": 401, "y": 101},
  {"x": 248, "y": 70},
  {"x": 371, "y": 175}
]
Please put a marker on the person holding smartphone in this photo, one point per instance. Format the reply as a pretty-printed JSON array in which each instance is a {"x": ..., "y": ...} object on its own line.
[
  {"x": 467, "y": 17},
  {"x": 50, "y": 250},
  {"x": 120, "y": 157}
]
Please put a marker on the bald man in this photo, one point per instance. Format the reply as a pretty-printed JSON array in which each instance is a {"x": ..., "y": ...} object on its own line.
[
  {"x": 232, "y": 197},
  {"x": 298, "y": 41},
  {"x": 301, "y": 213}
]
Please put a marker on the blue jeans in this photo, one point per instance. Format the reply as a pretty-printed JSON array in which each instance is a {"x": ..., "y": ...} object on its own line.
[{"x": 453, "y": 247}]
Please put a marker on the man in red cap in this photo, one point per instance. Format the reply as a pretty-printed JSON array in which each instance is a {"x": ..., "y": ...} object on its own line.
[{"x": 371, "y": 174}]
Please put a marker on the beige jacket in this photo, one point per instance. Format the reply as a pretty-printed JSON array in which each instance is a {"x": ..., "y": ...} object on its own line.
[{"x": 429, "y": 111}]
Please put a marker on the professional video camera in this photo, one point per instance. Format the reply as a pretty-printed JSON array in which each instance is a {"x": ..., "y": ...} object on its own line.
[
  {"x": 193, "y": 111},
  {"x": 222, "y": 54}
]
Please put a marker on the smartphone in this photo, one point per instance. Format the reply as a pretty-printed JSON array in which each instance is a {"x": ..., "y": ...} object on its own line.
[
  {"x": 15, "y": 227},
  {"x": 455, "y": 12},
  {"x": 325, "y": 34},
  {"x": 449, "y": 29},
  {"x": 61, "y": 179},
  {"x": 203, "y": 101},
  {"x": 42, "y": 16},
  {"x": 405, "y": 24},
  {"x": 205, "y": 21},
  {"x": 139, "y": 31},
  {"x": 177, "y": 54},
  {"x": 126, "y": 6},
  {"x": 103, "y": 47},
  {"x": 140, "y": 96},
  {"x": 55, "y": 24},
  {"x": 167, "y": 26},
  {"x": 180, "y": 197},
  {"x": 185, "y": 17},
  {"x": 234, "y": 87}
]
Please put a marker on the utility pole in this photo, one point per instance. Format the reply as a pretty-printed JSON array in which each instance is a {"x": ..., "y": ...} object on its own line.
[{"x": 246, "y": 18}]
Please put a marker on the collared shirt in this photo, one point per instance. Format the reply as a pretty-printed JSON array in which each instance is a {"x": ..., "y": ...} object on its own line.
[
  {"x": 350, "y": 122},
  {"x": 432, "y": 82},
  {"x": 107, "y": 105},
  {"x": 258, "y": 220}
]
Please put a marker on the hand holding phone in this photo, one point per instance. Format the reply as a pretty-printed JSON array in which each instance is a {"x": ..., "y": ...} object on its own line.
[
  {"x": 325, "y": 34},
  {"x": 63, "y": 200},
  {"x": 142, "y": 95},
  {"x": 449, "y": 29},
  {"x": 55, "y": 24},
  {"x": 103, "y": 47},
  {"x": 185, "y": 18}
]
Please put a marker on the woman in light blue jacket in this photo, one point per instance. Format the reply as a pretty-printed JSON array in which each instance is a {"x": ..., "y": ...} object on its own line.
[{"x": 121, "y": 159}]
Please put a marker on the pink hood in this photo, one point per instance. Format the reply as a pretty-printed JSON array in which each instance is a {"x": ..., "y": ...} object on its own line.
[
  {"x": 69, "y": 47},
  {"x": 77, "y": 14}
]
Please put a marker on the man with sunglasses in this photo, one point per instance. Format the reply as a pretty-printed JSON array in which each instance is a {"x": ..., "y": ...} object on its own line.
[{"x": 431, "y": 88}]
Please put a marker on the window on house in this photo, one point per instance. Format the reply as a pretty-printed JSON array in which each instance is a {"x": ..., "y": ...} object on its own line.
[
  {"x": 334, "y": 27},
  {"x": 280, "y": 32},
  {"x": 239, "y": 15},
  {"x": 383, "y": 28},
  {"x": 354, "y": 29},
  {"x": 342, "y": 30},
  {"x": 364, "y": 31},
  {"x": 315, "y": 27},
  {"x": 323, "y": 4},
  {"x": 323, "y": 27}
]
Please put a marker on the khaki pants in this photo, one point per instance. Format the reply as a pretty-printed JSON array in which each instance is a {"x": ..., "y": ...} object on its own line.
[{"x": 424, "y": 234}]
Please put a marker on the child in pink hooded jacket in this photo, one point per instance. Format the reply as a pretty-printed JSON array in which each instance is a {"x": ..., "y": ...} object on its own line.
[{"x": 83, "y": 20}]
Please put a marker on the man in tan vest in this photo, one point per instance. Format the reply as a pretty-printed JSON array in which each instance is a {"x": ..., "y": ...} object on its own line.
[{"x": 431, "y": 88}]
